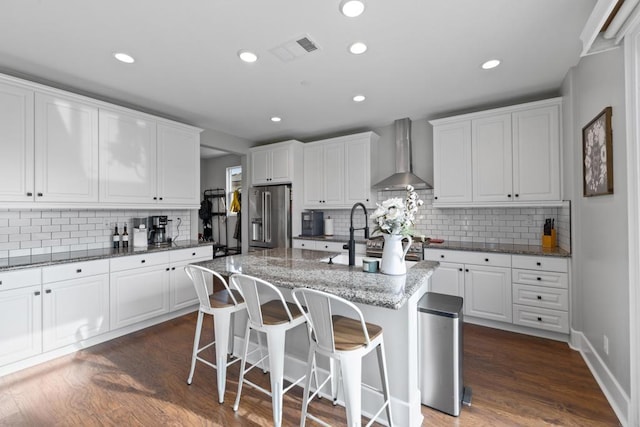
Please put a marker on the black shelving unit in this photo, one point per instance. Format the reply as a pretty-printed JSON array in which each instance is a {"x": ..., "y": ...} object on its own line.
[{"x": 213, "y": 210}]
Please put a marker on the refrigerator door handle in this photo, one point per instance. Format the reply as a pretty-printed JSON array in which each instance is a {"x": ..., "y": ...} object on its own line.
[{"x": 266, "y": 214}]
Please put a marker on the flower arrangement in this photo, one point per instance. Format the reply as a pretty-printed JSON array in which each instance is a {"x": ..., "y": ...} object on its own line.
[{"x": 395, "y": 215}]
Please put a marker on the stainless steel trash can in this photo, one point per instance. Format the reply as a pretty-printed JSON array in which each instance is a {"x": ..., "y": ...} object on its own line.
[{"x": 440, "y": 335}]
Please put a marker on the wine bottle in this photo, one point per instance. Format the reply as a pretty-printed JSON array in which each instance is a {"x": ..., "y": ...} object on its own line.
[
  {"x": 116, "y": 238},
  {"x": 125, "y": 238}
]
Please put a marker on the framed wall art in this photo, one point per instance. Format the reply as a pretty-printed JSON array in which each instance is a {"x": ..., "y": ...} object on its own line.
[{"x": 597, "y": 155}]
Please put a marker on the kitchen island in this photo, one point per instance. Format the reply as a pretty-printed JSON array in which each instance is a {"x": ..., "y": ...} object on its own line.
[{"x": 389, "y": 301}]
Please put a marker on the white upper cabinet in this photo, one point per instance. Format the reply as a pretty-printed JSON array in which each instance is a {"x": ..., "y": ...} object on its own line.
[
  {"x": 145, "y": 162},
  {"x": 127, "y": 158},
  {"x": 452, "y": 155},
  {"x": 16, "y": 140},
  {"x": 66, "y": 150},
  {"x": 273, "y": 163},
  {"x": 337, "y": 171},
  {"x": 510, "y": 156}
]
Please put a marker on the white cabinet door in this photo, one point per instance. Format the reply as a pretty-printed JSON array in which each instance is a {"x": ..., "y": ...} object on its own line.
[
  {"x": 487, "y": 293},
  {"x": 272, "y": 164},
  {"x": 313, "y": 164},
  {"x": 66, "y": 150},
  {"x": 334, "y": 174},
  {"x": 178, "y": 162},
  {"x": 452, "y": 163},
  {"x": 20, "y": 323},
  {"x": 16, "y": 140},
  {"x": 138, "y": 294},
  {"x": 492, "y": 159},
  {"x": 182, "y": 291},
  {"x": 357, "y": 171},
  {"x": 74, "y": 310},
  {"x": 448, "y": 279},
  {"x": 127, "y": 158},
  {"x": 536, "y": 154},
  {"x": 260, "y": 166},
  {"x": 281, "y": 165}
]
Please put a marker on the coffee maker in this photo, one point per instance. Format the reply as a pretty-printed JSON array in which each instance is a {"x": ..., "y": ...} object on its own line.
[{"x": 158, "y": 230}]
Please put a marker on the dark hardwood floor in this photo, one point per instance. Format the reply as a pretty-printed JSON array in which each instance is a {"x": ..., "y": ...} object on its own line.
[{"x": 140, "y": 380}]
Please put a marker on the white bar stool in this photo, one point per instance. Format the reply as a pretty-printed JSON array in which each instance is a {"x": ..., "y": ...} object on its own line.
[
  {"x": 270, "y": 314},
  {"x": 345, "y": 341},
  {"x": 221, "y": 306}
]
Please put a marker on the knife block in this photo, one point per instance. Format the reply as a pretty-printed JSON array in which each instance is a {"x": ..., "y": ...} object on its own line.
[{"x": 550, "y": 241}]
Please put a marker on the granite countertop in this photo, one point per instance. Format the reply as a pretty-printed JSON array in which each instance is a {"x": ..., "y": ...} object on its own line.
[
  {"x": 342, "y": 238},
  {"x": 44, "y": 260},
  {"x": 506, "y": 248},
  {"x": 292, "y": 268}
]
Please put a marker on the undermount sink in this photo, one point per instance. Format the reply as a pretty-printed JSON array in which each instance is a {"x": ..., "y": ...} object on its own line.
[{"x": 344, "y": 260}]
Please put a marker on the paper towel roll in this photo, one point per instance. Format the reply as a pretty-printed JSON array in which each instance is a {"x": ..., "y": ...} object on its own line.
[{"x": 328, "y": 227}]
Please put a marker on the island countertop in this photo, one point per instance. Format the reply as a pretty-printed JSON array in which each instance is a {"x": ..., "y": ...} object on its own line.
[{"x": 294, "y": 268}]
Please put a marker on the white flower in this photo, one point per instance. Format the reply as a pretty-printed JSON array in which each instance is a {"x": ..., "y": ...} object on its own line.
[{"x": 395, "y": 215}]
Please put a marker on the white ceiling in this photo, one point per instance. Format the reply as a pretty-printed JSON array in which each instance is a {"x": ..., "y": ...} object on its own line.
[{"x": 423, "y": 60}]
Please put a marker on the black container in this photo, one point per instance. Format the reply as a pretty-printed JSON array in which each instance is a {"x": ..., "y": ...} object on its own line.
[{"x": 313, "y": 223}]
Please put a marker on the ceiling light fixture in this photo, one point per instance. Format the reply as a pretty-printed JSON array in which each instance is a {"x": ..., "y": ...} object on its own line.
[
  {"x": 247, "y": 56},
  {"x": 276, "y": 119},
  {"x": 358, "y": 48},
  {"x": 492, "y": 63},
  {"x": 359, "y": 98},
  {"x": 123, "y": 57},
  {"x": 351, "y": 8}
]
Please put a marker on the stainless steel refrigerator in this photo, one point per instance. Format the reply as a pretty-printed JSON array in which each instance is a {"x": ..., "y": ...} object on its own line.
[{"x": 270, "y": 216}]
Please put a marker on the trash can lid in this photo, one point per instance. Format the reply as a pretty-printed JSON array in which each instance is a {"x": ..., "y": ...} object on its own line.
[{"x": 440, "y": 304}]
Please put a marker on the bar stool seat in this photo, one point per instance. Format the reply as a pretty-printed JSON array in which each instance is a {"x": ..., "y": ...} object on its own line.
[
  {"x": 345, "y": 341},
  {"x": 221, "y": 305},
  {"x": 270, "y": 314}
]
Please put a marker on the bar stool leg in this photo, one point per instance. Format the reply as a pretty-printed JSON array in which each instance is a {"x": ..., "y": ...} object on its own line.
[
  {"x": 196, "y": 343},
  {"x": 351, "y": 370},
  {"x": 382, "y": 364},
  {"x": 221, "y": 324},
  {"x": 334, "y": 371},
  {"x": 307, "y": 384},
  {"x": 242, "y": 367},
  {"x": 275, "y": 344}
]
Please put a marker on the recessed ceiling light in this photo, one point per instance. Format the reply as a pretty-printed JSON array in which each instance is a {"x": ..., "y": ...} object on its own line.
[
  {"x": 357, "y": 48},
  {"x": 276, "y": 119},
  {"x": 492, "y": 63},
  {"x": 351, "y": 8},
  {"x": 359, "y": 98},
  {"x": 247, "y": 56},
  {"x": 123, "y": 57}
]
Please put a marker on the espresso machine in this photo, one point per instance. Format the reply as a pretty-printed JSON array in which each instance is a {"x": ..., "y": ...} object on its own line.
[{"x": 158, "y": 235}]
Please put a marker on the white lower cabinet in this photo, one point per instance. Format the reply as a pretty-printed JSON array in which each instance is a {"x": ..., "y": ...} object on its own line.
[
  {"x": 139, "y": 288},
  {"x": 320, "y": 245},
  {"x": 448, "y": 279},
  {"x": 487, "y": 292},
  {"x": 20, "y": 315},
  {"x": 75, "y": 303},
  {"x": 182, "y": 292}
]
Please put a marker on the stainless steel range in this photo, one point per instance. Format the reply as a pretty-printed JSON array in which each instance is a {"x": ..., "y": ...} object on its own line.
[{"x": 375, "y": 245}]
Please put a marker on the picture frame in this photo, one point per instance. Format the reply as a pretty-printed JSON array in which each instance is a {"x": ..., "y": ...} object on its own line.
[{"x": 597, "y": 155}]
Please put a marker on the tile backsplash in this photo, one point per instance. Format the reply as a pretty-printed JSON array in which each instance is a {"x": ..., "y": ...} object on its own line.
[
  {"x": 488, "y": 225},
  {"x": 41, "y": 231}
]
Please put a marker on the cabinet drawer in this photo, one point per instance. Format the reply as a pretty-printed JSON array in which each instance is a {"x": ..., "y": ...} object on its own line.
[
  {"x": 19, "y": 278},
  {"x": 541, "y": 318},
  {"x": 539, "y": 296},
  {"x": 540, "y": 263},
  {"x": 196, "y": 253},
  {"x": 74, "y": 270},
  {"x": 329, "y": 246},
  {"x": 137, "y": 261},
  {"x": 541, "y": 278},
  {"x": 468, "y": 257},
  {"x": 304, "y": 244}
]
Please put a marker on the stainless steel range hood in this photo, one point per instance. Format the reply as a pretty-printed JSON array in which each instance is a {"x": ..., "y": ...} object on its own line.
[{"x": 404, "y": 168}]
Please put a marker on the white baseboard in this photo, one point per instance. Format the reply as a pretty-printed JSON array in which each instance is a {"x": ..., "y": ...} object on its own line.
[{"x": 612, "y": 390}]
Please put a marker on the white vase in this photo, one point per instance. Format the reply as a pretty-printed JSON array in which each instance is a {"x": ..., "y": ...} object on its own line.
[{"x": 393, "y": 255}]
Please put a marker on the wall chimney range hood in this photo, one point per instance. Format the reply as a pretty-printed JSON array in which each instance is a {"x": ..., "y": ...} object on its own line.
[{"x": 404, "y": 168}]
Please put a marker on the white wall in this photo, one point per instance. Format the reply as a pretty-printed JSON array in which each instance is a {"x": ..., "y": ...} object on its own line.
[{"x": 600, "y": 282}]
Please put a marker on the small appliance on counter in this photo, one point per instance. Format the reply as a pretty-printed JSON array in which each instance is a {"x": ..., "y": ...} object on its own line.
[
  {"x": 158, "y": 230},
  {"x": 312, "y": 223},
  {"x": 140, "y": 232}
]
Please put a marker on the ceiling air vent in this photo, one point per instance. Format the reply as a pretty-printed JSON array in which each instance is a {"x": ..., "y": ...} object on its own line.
[{"x": 295, "y": 48}]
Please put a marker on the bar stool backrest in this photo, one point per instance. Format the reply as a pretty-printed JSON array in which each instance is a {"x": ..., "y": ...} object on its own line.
[
  {"x": 320, "y": 306},
  {"x": 204, "y": 288},
  {"x": 255, "y": 293}
]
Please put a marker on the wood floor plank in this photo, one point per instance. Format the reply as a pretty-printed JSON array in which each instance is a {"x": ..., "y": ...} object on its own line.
[{"x": 140, "y": 380}]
